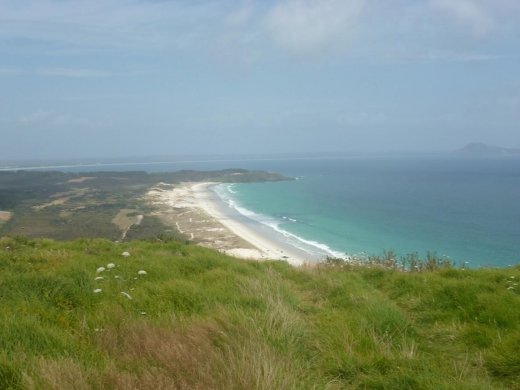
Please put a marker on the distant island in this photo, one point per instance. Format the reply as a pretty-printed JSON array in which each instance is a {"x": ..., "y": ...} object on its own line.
[{"x": 477, "y": 149}]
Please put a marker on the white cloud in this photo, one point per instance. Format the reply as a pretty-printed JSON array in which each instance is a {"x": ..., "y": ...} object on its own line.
[
  {"x": 9, "y": 71},
  {"x": 247, "y": 31},
  {"x": 308, "y": 25},
  {"x": 241, "y": 15},
  {"x": 73, "y": 72},
  {"x": 236, "y": 38},
  {"x": 471, "y": 15},
  {"x": 49, "y": 118},
  {"x": 35, "y": 117},
  {"x": 450, "y": 56},
  {"x": 104, "y": 23},
  {"x": 86, "y": 73}
]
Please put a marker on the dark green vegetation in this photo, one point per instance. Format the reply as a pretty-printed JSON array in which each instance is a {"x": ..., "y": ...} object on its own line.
[
  {"x": 69, "y": 205},
  {"x": 200, "y": 319}
]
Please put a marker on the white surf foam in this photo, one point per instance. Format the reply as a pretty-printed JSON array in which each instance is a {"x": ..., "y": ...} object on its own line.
[
  {"x": 230, "y": 188},
  {"x": 310, "y": 246}
]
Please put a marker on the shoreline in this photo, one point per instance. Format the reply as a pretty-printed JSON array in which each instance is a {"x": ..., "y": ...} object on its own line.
[
  {"x": 197, "y": 212},
  {"x": 208, "y": 200}
]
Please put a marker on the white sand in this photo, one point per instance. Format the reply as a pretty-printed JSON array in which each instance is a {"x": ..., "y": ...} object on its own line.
[
  {"x": 199, "y": 195},
  {"x": 5, "y": 216}
]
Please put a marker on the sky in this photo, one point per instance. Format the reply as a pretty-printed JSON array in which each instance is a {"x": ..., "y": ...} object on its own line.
[{"x": 115, "y": 78}]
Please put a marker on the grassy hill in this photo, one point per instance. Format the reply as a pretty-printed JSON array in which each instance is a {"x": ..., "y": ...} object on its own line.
[{"x": 198, "y": 319}]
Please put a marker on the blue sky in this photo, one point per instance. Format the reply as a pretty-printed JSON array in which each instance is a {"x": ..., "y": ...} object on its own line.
[{"x": 113, "y": 78}]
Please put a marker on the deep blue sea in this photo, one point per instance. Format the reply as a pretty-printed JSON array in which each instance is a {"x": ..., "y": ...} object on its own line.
[{"x": 464, "y": 209}]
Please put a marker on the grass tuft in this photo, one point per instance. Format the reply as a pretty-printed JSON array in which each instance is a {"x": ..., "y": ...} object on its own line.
[{"x": 10, "y": 376}]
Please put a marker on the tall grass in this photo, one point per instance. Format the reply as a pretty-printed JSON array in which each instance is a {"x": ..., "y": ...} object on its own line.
[{"x": 201, "y": 320}]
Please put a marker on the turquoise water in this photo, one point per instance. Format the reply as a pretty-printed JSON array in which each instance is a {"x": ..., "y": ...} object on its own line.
[{"x": 467, "y": 210}]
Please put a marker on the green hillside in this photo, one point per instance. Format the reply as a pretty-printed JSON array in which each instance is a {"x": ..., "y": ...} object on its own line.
[{"x": 198, "y": 319}]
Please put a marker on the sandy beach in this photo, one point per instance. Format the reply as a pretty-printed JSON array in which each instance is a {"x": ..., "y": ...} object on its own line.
[
  {"x": 5, "y": 216},
  {"x": 194, "y": 210}
]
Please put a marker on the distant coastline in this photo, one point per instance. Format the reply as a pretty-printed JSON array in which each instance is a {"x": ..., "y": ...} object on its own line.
[
  {"x": 139, "y": 162},
  {"x": 472, "y": 149}
]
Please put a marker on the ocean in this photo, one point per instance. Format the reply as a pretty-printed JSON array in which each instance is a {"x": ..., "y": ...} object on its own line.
[{"x": 465, "y": 209}]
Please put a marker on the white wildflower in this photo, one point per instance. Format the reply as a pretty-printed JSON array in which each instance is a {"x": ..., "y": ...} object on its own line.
[
  {"x": 110, "y": 265},
  {"x": 116, "y": 277},
  {"x": 99, "y": 278},
  {"x": 126, "y": 295},
  {"x": 141, "y": 272},
  {"x": 143, "y": 313},
  {"x": 100, "y": 269},
  {"x": 97, "y": 290},
  {"x": 125, "y": 254}
]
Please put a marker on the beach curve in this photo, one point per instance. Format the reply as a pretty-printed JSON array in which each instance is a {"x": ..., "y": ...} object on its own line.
[{"x": 198, "y": 213}]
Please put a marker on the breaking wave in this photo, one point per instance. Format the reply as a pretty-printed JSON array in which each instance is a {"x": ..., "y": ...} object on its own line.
[{"x": 226, "y": 192}]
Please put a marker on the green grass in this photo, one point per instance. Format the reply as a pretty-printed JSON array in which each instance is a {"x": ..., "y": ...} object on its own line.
[{"x": 201, "y": 320}]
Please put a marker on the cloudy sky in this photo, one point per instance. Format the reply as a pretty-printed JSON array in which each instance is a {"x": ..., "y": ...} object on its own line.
[{"x": 113, "y": 78}]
